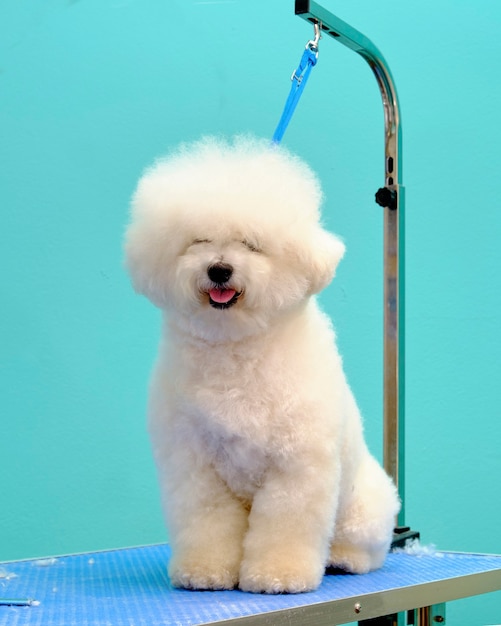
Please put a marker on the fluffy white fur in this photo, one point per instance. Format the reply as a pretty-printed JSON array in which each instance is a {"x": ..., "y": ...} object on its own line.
[{"x": 264, "y": 472}]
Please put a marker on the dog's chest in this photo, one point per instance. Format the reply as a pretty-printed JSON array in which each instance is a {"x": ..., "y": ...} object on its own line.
[
  {"x": 241, "y": 407},
  {"x": 237, "y": 424},
  {"x": 235, "y": 414},
  {"x": 234, "y": 435},
  {"x": 239, "y": 462}
]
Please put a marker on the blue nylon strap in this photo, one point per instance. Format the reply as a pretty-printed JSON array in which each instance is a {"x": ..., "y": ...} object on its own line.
[{"x": 299, "y": 79}]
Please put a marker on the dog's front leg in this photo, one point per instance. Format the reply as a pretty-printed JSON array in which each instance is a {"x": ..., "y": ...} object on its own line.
[
  {"x": 290, "y": 526},
  {"x": 207, "y": 525}
]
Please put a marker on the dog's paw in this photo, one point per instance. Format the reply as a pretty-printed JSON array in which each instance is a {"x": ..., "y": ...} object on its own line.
[
  {"x": 279, "y": 578},
  {"x": 190, "y": 574},
  {"x": 354, "y": 559}
]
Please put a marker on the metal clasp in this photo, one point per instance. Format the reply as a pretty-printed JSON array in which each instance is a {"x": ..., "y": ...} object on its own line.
[{"x": 313, "y": 43}]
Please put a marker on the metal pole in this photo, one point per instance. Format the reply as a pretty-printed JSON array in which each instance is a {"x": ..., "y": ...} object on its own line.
[{"x": 391, "y": 197}]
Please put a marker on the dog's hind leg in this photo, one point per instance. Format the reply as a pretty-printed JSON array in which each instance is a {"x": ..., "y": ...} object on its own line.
[{"x": 364, "y": 527}]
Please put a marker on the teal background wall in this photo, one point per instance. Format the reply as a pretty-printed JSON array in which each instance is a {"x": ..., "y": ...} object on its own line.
[{"x": 91, "y": 92}]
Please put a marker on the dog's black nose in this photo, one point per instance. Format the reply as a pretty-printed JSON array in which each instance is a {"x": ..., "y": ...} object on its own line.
[{"x": 220, "y": 272}]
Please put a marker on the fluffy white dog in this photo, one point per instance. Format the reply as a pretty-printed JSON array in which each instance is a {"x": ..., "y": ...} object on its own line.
[{"x": 264, "y": 472}]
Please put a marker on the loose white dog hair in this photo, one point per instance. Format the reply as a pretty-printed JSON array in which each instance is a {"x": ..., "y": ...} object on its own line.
[{"x": 264, "y": 473}]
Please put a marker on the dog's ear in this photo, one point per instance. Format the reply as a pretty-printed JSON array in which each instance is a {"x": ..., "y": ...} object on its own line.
[
  {"x": 150, "y": 245},
  {"x": 323, "y": 252},
  {"x": 146, "y": 259}
]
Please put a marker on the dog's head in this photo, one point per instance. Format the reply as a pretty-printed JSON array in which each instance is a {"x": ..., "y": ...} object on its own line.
[{"x": 227, "y": 238}]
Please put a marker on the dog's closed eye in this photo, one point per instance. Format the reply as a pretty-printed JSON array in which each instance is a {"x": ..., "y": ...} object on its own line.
[{"x": 253, "y": 247}]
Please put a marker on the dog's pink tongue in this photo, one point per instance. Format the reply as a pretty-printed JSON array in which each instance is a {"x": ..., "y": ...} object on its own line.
[{"x": 221, "y": 296}]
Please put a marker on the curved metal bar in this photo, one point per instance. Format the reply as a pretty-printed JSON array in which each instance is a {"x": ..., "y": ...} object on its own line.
[{"x": 392, "y": 198}]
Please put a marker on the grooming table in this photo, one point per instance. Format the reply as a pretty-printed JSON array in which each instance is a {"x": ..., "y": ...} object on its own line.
[{"x": 130, "y": 587}]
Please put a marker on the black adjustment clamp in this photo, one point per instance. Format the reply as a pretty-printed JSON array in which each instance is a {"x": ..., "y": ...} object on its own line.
[
  {"x": 403, "y": 536},
  {"x": 387, "y": 198}
]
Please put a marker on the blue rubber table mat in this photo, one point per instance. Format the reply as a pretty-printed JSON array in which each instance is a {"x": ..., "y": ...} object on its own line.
[{"x": 130, "y": 587}]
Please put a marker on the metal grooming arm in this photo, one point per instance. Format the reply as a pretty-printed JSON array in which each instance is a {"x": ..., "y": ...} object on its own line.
[{"x": 391, "y": 197}]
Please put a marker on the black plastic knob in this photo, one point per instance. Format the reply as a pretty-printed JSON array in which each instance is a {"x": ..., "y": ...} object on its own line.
[{"x": 387, "y": 198}]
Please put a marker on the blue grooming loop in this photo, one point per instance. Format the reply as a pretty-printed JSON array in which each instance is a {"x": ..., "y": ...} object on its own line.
[
  {"x": 299, "y": 79},
  {"x": 130, "y": 587}
]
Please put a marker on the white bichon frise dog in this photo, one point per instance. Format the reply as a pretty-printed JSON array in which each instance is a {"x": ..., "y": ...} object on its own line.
[{"x": 264, "y": 473}]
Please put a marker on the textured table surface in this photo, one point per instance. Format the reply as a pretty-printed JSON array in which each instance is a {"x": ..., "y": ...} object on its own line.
[{"x": 130, "y": 587}]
